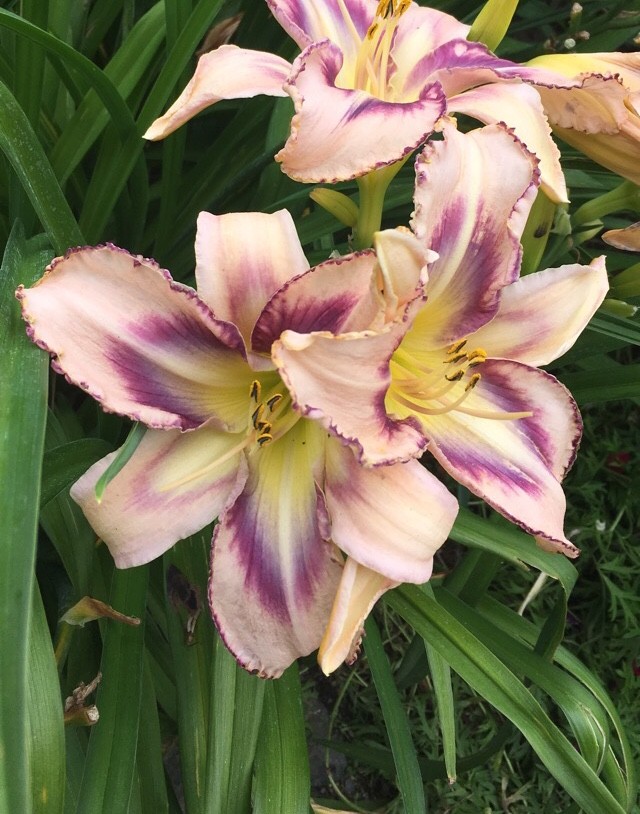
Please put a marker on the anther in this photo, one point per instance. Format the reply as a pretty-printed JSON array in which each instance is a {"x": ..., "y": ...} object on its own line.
[
  {"x": 264, "y": 427},
  {"x": 371, "y": 31},
  {"x": 256, "y": 415},
  {"x": 473, "y": 381},
  {"x": 455, "y": 359},
  {"x": 271, "y": 403},
  {"x": 255, "y": 390},
  {"x": 457, "y": 346},
  {"x": 455, "y": 376},
  {"x": 261, "y": 440}
]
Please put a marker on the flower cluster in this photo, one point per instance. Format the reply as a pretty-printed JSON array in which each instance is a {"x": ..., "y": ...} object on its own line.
[{"x": 293, "y": 404}]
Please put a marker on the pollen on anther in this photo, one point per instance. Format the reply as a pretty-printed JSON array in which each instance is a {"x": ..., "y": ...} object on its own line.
[
  {"x": 455, "y": 376},
  {"x": 255, "y": 390},
  {"x": 271, "y": 403},
  {"x": 473, "y": 381},
  {"x": 264, "y": 439},
  {"x": 256, "y": 415},
  {"x": 457, "y": 358},
  {"x": 372, "y": 30},
  {"x": 457, "y": 346}
]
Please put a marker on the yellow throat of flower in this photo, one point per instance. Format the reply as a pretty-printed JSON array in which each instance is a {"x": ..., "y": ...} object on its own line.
[
  {"x": 371, "y": 69},
  {"x": 270, "y": 417}
]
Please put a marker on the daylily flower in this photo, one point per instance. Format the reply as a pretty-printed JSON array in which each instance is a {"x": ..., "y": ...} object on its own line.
[
  {"x": 605, "y": 125},
  {"x": 369, "y": 87},
  {"x": 224, "y": 440},
  {"x": 466, "y": 367}
]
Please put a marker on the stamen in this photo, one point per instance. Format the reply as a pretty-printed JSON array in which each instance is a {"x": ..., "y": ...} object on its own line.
[
  {"x": 256, "y": 387},
  {"x": 457, "y": 346},
  {"x": 264, "y": 426},
  {"x": 256, "y": 415},
  {"x": 271, "y": 403},
  {"x": 473, "y": 381},
  {"x": 455, "y": 359},
  {"x": 372, "y": 30},
  {"x": 261, "y": 440},
  {"x": 455, "y": 376}
]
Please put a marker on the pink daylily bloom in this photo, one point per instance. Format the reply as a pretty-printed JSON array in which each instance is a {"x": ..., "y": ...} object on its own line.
[
  {"x": 371, "y": 84},
  {"x": 602, "y": 117},
  {"x": 464, "y": 362},
  {"x": 224, "y": 440}
]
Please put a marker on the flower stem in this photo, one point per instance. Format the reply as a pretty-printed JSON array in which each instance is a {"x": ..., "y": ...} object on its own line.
[
  {"x": 625, "y": 196},
  {"x": 373, "y": 188}
]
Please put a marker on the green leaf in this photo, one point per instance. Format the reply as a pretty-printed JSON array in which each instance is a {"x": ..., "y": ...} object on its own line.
[
  {"x": 46, "y": 723},
  {"x": 63, "y": 465},
  {"x": 110, "y": 767},
  {"x": 186, "y": 571},
  {"x": 235, "y": 712},
  {"x": 397, "y": 725},
  {"x": 123, "y": 456},
  {"x": 443, "y": 691},
  {"x": 23, "y": 394},
  {"x": 282, "y": 764},
  {"x": 25, "y": 153},
  {"x": 491, "y": 679}
]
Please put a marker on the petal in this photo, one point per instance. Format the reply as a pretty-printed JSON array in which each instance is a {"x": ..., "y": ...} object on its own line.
[
  {"x": 139, "y": 343},
  {"x": 627, "y": 239},
  {"x": 344, "y": 22},
  {"x": 624, "y": 65},
  {"x": 337, "y": 134},
  {"x": 473, "y": 195},
  {"x": 341, "y": 381},
  {"x": 420, "y": 33},
  {"x": 359, "y": 590},
  {"x": 242, "y": 259},
  {"x": 403, "y": 268},
  {"x": 540, "y": 316},
  {"x": 457, "y": 65},
  {"x": 594, "y": 104},
  {"x": 273, "y": 576},
  {"x": 337, "y": 296},
  {"x": 167, "y": 491},
  {"x": 515, "y": 465},
  {"x": 617, "y": 152},
  {"x": 227, "y": 72},
  {"x": 392, "y": 518},
  {"x": 520, "y": 108}
]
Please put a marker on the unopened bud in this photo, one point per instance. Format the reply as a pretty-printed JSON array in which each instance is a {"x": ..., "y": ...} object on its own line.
[
  {"x": 337, "y": 203},
  {"x": 491, "y": 24}
]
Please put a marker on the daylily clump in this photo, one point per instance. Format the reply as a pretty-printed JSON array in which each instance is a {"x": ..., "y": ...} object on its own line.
[
  {"x": 225, "y": 440},
  {"x": 464, "y": 361}
]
